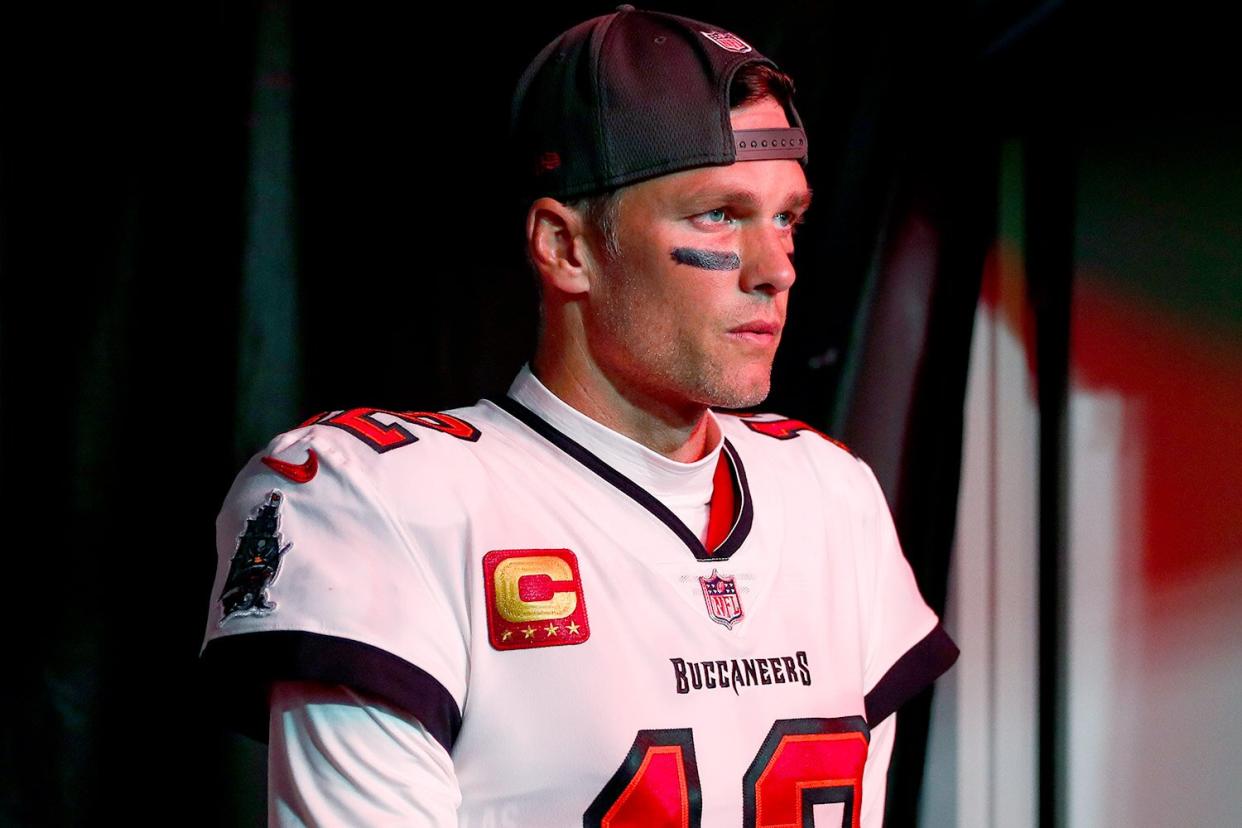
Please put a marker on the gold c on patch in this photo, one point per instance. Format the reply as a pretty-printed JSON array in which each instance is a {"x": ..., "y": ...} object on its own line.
[{"x": 534, "y": 599}]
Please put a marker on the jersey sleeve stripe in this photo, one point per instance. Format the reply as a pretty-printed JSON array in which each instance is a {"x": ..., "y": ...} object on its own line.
[
  {"x": 920, "y": 666},
  {"x": 239, "y": 669}
]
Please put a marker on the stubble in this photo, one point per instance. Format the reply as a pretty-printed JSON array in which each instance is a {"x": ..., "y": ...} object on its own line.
[{"x": 657, "y": 356}]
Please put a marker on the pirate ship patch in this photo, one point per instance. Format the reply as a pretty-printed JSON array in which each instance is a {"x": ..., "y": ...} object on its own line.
[{"x": 255, "y": 563}]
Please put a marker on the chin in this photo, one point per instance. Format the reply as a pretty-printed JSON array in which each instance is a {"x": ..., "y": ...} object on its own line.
[{"x": 740, "y": 393}]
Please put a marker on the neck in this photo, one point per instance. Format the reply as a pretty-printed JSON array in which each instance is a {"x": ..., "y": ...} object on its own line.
[{"x": 681, "y": 433}]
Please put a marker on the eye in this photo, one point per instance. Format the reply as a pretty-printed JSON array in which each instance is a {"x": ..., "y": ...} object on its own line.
[
  {"x": 789, "y": 219},
  {"x": 717, "y": 216}
]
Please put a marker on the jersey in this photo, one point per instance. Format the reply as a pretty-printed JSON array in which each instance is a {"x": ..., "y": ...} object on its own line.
[{"x": 583, "y": 656}]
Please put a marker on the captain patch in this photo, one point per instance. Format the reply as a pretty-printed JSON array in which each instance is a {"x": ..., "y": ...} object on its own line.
[{"x": 534, "y": 599}]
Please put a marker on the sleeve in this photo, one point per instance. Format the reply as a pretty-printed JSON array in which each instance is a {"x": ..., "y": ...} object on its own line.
[
  {"x": 906, "y": 647},
  {"x": 317, "y": 581},
  {"x": 875, "y": 772},
  {"x": 336, "y": 757}
]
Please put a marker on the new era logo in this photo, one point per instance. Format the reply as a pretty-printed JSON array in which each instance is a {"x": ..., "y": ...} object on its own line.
[{"x": 547, "y": 162}]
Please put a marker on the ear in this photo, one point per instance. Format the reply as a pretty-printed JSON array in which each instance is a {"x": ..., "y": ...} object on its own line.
[{"x": 557, "y": 240}]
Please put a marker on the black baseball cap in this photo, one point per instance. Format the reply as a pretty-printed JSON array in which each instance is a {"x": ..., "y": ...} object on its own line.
[{"x": 634, "y": 95}]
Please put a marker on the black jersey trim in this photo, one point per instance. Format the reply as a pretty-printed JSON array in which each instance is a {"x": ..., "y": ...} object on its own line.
[
  {"x": 919, "y": 667},
  {"x": 742, "y": 524},
  {"x": 240, "y": 668}
]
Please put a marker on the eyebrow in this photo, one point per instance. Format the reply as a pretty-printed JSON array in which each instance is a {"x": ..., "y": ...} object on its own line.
[
  {"x": 800, "y": 200},
  {"x": 747, "y": 199}
]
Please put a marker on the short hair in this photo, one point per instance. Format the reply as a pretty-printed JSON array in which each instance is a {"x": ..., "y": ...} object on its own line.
[
  {"x": 759, "y": 80},
  {"x": 601, "y": 210}
]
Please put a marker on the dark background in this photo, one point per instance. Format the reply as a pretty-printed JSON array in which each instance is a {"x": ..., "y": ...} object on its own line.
[{"x": 218, "y": 219}]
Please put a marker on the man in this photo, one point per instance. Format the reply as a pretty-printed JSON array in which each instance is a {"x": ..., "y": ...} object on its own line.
[{"x": 595, "y": 601}]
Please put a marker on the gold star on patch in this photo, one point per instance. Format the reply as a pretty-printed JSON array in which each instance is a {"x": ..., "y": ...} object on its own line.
[
  {"x": 529, "y": 632},
  {"x": 506, "y": 635},
  {"x": 552, "y": 630},
  {"x": 572, "y": 626}
]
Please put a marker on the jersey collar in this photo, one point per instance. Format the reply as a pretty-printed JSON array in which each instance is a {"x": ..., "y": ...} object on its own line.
[
  {"x": 670, "y": 481},
  {"x": 743, "y": 508}
]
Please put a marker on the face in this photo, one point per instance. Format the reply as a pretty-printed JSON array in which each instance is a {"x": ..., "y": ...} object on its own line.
[{"x": 691, "y": 312}]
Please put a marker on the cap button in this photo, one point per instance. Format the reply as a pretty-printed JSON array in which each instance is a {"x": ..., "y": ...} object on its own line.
[{"x": 625, "y": 7}]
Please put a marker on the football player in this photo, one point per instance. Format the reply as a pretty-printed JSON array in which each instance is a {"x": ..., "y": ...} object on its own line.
[{"x": 596, "y": 601}]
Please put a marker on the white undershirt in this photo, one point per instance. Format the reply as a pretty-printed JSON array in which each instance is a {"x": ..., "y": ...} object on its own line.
[{"x": 685, "y": 488}]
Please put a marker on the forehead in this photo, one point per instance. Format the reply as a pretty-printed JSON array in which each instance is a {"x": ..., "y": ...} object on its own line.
[{"x": 768, "y": 185}]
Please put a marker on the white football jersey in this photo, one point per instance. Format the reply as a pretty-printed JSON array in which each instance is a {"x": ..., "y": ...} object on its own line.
[{"x": 585, "y": 657}]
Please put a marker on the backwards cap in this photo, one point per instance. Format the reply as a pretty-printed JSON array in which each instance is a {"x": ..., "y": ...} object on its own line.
[{"x": 633, "y": 95}]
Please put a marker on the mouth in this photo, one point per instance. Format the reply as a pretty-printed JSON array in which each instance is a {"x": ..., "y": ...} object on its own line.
[{"x": 757, "y": 332}]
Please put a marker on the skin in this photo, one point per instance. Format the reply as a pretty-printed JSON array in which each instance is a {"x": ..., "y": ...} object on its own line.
[{"x": 646, "y": 343}]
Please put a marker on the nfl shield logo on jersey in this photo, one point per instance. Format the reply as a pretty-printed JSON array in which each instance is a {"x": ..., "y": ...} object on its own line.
[{"x": 724, "y": 606}]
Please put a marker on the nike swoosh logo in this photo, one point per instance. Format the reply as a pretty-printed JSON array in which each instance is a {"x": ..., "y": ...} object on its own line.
[{"x": 297, "y": 472}]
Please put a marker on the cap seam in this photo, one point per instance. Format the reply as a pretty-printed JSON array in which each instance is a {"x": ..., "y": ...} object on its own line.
[{"x": 600, "y": 139}]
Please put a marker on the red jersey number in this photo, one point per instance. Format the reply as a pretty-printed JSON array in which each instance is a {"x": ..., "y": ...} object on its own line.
[
  {"x": 383, "y": 437},
  {"x": 801, "y": 763}
]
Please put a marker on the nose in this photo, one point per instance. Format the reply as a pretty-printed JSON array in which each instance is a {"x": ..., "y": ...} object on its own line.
[{"x": 767, "y": 261}]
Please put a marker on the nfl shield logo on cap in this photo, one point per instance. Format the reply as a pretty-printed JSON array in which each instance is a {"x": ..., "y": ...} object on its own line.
[
  {"x": 727, "y": 40},
  {"x": 724, "y": 606}
]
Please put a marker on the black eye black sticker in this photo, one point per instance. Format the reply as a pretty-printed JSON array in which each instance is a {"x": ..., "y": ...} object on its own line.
[{"x": 707, "y": 259}]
